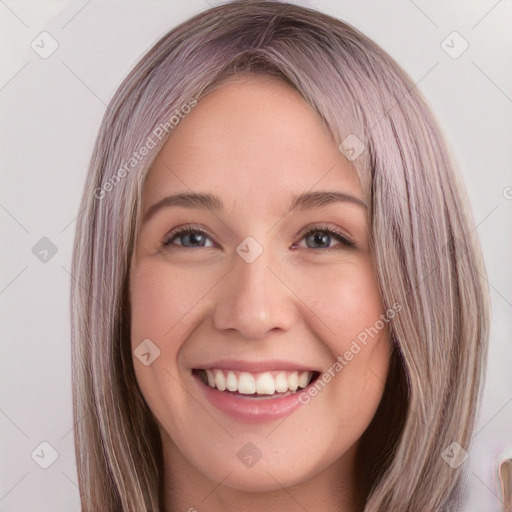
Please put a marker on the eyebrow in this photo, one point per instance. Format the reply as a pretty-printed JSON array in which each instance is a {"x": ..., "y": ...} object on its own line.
[{"x": 305, "y": 201}]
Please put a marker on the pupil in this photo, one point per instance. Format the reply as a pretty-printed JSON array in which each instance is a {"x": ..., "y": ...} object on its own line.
[
  {"x": 321, "y": 238},
  {"x": 195, "y": 238}
]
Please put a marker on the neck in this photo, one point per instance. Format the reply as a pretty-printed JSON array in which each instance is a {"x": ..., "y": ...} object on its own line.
[{"x": 333, "y": 489}]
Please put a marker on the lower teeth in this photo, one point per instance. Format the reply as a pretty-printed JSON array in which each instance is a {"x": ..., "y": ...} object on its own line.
[{"x": 260, "y": 397}]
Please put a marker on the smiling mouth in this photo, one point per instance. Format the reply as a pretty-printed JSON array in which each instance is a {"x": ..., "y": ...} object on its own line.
[{"x": 259, "y": 385}]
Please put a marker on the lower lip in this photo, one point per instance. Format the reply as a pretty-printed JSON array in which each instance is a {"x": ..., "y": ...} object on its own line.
[{"x": 250, "y": 410}]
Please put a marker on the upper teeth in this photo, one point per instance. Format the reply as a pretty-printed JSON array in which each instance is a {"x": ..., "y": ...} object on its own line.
[{"x": 266, "y": 383}]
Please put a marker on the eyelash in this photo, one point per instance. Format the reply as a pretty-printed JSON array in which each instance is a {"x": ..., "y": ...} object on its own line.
[{"x": 340, "y": 237}]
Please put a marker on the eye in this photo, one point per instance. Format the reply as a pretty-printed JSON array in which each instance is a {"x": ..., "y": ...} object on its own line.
[
  {"x": 317, "y": 237},
  {"x": 189, "y": 237},
  {"x": 320, "y": 237}
]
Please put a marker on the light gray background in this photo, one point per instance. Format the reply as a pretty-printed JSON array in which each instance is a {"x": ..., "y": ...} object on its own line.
[{"x": 51, "y": 111}]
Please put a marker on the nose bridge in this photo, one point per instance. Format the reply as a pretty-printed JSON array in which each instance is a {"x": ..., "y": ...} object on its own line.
[
  {"x": 253, "y": 277},
  {"x": 253, "y": 301}
]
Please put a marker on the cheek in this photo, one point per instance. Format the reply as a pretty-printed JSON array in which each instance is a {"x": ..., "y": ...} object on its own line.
[
  {"x": 345, "y": 300},
  {"x": 160, "y": 299},
  {"x": 349, "y": 312},
  {"x": 155, "y": 310}
]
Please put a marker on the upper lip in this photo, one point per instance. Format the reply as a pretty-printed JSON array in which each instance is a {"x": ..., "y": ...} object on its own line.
[{"x": 256, "y": 366}]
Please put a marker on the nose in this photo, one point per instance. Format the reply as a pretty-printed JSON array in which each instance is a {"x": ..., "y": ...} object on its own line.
[{"x": 255, "y": 299}]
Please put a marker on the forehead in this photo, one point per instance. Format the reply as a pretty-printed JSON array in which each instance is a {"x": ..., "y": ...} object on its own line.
[{"x": 253, "y": 138}]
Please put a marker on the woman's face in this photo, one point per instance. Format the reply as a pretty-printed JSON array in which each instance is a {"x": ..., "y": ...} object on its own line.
[{"x": 263, "y": 294}]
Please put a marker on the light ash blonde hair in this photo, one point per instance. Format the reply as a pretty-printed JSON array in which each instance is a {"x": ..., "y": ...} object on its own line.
[{"x": 424, "y": 249}]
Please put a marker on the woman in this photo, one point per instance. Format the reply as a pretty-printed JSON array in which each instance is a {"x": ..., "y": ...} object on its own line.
[{"x": 280, "y": 298}]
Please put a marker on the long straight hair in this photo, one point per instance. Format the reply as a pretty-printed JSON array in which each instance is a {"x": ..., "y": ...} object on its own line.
[{"x": 424, "y": 248}]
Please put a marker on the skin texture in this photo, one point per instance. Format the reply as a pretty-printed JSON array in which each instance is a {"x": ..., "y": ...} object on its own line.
[{"x": 256, "y": 143}]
